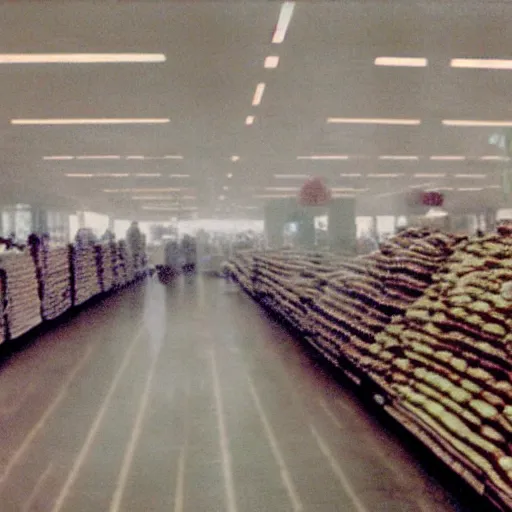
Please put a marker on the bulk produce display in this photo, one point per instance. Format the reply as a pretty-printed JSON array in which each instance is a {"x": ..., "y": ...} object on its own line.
[
  {"x": 40, "y": 282},
  {"x": 23, "y": 308},
  {"x": 424, "y": 326}
]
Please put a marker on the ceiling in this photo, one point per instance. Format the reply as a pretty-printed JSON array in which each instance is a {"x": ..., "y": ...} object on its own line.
[{"x": 215, "y": 53}]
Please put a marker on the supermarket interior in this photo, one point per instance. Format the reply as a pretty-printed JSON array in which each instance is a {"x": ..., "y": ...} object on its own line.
[{"x": 256, "y": 256}]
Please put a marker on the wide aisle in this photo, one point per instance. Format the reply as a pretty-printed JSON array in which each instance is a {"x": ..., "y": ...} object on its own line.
[{"x": 188, "y": 398}]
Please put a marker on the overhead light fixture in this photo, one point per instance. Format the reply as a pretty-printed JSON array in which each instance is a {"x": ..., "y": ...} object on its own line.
[
  {"x": 112, "y": 175},
  {"x": 105, "y": 120},
  {"x": 469, "y": 189},
  {"x": 350, "y": 175},
  {"x": 271, "y": 62},
  {"x": 285, "y": 16},
  {"x": 79, "y": 175},
  {"x": 157, "y": 208},
  {"x": 477, "y": 123},
  {"x": 148, "y": 175},
  {"x": 495, "y": 186},
  {"x": 225, "y": 187},
  {"x": 179, "y": 175},
  {"x": 448, "y": 158},
  {"x": 173, "y": 157},
  {"x": 382, "y": 175},
  {"x": 422, "y": 185},
  {"x": 222, "y": 198},
  {"x": 436, "y": 213},
  {"x": 369, "y": 120},
  {"x": 98, "y": 157},
  {"x": 154, "y": 198},
  {"x": 235, "y": 158},
  {"x": 430, "y": 175},
  {"x": 249, "y": 120},
  {"x": 79, "y": 58},
  {"x": 282, "y": 189},
  {"x": 408, "y": 62},
  {"x": 398, "y": 157},
  {"x": 135, "y": 157},
  {"x": 471, "y": 176},
  {"x": 291, "y": 176},
  {"x": 348, "y": 189},
  {"x": 273, "y": 196},
  {"x": 481, "y": 63},
  {"x": 341, "y": 196},
  {"x": 229, "y": 175},
  {"x": 258, "y": 94},
  {"x": 58, "y": 157},
  {"x": 439, "y": 189},
  {"x": 495, "y": 158},
  {"x": 323, "y": 157},
  {"x": 142, "y": 190}
]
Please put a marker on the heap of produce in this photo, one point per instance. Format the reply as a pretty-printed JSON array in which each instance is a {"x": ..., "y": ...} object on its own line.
[
  {"x": 364, "y": 295},
  {"x": 83, "y": 263},
  {"x": 23, "y": 307},
  {"x": 448, "y": 364}
]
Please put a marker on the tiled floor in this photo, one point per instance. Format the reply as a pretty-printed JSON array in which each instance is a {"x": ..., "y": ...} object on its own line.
[{"x": 187, "y": 398}]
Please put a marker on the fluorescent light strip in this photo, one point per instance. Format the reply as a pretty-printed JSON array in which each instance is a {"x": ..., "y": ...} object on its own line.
[
  {"x": 143, "y": 190},
  {"x": 481, "y": 63},
  {"x": 449, "y": 158},
  {"x": 249, "y": 120},
  {"x": 155, "y": 198},
  {"x": 148, "y": 175},
  {"x": 495, "y": 158},
  {"x": 273, "y": 196},
  {"x": 471, "y": 123},
  {"x": 79, "y": 175},
  {"x": 58, "y": 157},
  {"x": 341, "y": 196},
  {"x": 398, "y": 157},
  {"x": 348, "y": 189},
  {"x": 168, "y": 208},
  {"x": 408, "y": 62},
  {"x": 351, "y": 175},
  {"x": 285, "y": 16},
  {"x": 391, "y": 175},
  {"x": 323, "y": 157},
  {"x": 440, "y": 189},
  {"x": 112, "y": 175},
  {"x": 422, "y": 185},
  {"x": 179, "y": 175},
  {"x": 271, "y": 62},
  {"x": 229, "y": 175},
  {"x": 469, "y": 189},
  {"x": 291, "y": 176},
  {"x": 98, "y": 157},
  {"x": 282, "y": 189},
  {"x": 258, "y": 94},
  {"x": 471, "y": 176},
  {"x": 235, "y": 158},
  {"x": 494, "y": 186},
  {"x": 79, "y": 58},
  {"x": 368, "y": 120},
  {"x": 105, "y": 120},
  {"x": 430, "y": 175}
]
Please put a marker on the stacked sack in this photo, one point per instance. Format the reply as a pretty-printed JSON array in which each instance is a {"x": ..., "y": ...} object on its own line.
[
  {"x": 448, "y": 365},
  {"x": 85, "y": 273},
  {"x": 55, "y": 277},
  {"x": 241, "y": 268},
  {"x": 365, "y": 293},
  {"x": 23, "y": 307},
  {"x": 105, "y": 266},
  {"x": 3, "y": 333},
  {"x": 127, "y": 269}
]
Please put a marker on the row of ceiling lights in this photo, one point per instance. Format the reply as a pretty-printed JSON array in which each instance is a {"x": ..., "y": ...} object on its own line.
[
  {"x": 272, "y": 61},
  {"x": 422, "y": 62},
  {"x": 387, "y": 175}
]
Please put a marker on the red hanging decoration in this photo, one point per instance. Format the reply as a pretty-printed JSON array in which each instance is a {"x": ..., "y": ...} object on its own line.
[{"x": 314, "y": 193}]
